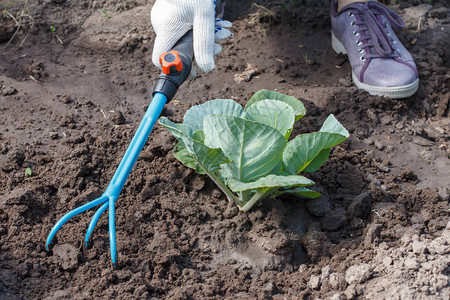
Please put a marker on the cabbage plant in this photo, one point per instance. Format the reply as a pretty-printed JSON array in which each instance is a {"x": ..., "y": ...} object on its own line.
[{"x": 248, "y": 152}]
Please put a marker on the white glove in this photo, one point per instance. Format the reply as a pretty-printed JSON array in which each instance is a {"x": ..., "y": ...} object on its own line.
[{"x": 171, "y": 19}]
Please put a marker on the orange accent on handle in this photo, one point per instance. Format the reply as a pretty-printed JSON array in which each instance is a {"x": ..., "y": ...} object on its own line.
[{"x": 170, "y": 62}]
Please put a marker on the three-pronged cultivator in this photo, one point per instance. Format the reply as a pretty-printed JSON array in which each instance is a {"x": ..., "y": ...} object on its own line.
[{"x": 176, "y": 67}]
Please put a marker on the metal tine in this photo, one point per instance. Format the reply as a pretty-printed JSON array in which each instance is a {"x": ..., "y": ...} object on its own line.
[
  {"x": 50, "y": 239},
  {"x": 112, "y": 232},
  {"x": 87, "y": 240}
]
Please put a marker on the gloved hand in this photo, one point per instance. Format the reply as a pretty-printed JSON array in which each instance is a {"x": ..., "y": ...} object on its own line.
[{"x": 171, "y": 19}]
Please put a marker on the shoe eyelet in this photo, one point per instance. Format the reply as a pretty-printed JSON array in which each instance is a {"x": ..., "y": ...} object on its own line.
[
  {"x": 358, "y": 43},
  {"x": 353, "y": 24},
  {"x": 361, "y": 58},
  {"x": 394, "y": 42},
  {"x": 350, "y": 14},
  {"x": 361, "y": 50},
  {"x": 355, "y": 33},
  {"x": 389, "y": 33}
]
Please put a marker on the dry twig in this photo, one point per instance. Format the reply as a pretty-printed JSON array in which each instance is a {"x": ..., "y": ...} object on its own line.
[
  {"x": 18, "y": 22},
  {"x": 261, "y": 13}
]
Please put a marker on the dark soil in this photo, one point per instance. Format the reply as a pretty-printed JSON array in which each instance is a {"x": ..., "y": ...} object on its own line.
[{"x": 72, "y": 96}]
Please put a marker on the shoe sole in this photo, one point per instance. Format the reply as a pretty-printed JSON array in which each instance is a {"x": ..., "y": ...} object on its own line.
[{"x": 395, "y": 92}]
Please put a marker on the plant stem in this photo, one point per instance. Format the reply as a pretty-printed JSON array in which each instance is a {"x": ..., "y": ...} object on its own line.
[
  {"x": 224, "y": 188},
  {"x": 244, "y": 195},
  {"x": 258, "y": 196}
]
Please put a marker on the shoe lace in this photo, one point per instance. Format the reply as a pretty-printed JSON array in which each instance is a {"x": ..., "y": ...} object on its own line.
[{"x": 373, "y": 33}]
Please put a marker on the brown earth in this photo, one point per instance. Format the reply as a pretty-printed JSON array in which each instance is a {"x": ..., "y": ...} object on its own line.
[{"x": 73, "y": 95}]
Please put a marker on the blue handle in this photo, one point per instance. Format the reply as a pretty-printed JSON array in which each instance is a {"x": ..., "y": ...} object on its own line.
[{"x": 137, "y": 143}]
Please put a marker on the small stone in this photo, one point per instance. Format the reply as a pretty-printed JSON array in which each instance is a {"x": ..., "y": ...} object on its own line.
[
  {"x": 314, "y": 282},
  {"x": 7, "y": 91},
  {"x": 397, "y": 274},
  {"x": 351, "y": 292},
  {"x": 418, "y": 247},
  {"x": 387, "y": 261},
  {"x": 117, "y": 118},
  {"x": 337, "y": 281},
  {"x": 54, "y": 135},
  {"x": 326, "y": 272},
  {"x": 427, "y": 266},
  {"x": 379, "y": 145},
  {"x": 358, "y": 274},
  {"x": 412, "y": 263}
]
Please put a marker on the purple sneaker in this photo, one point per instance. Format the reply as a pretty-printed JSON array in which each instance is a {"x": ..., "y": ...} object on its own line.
[{"x": 381, "y": 64}]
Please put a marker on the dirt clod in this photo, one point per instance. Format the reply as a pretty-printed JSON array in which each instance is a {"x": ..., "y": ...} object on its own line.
[
  {"x": 7, "y": 91},
  {"x": 358, "y": 274},
  {"x": 117, "y": 117},
  {"x": 67, "y": 256},
  {"x": 372, "y": 235},
  {"x": 319, "y": 207},
  {"x": 334, "y": 220},
  {"x": 360, "y": 206}
]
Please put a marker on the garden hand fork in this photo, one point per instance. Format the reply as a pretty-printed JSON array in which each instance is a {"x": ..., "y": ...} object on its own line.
[{"x": 176, "y": 67}]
